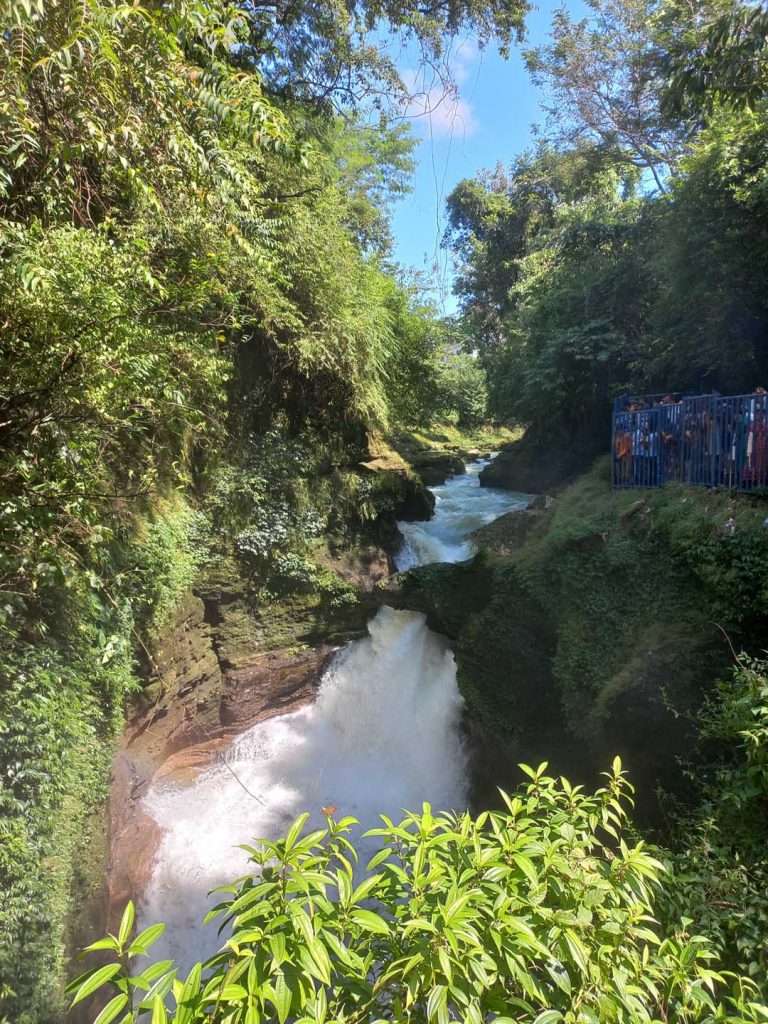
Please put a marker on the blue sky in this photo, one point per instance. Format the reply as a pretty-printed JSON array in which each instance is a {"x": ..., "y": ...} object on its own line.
[{"x": 491, "y": 120}]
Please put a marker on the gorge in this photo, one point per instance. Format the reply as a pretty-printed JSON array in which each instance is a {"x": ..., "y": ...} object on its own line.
[
  {"x": 383, "y": 734},
  {"x": 259, "y": 573}
]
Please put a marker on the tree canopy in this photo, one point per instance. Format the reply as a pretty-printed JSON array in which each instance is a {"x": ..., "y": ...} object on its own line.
[{"x": 627, "y": 250}]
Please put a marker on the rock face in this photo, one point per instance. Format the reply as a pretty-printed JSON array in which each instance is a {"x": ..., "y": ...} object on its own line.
[
  {"x": 508, "y": 533},
  {"x": 225, "y": 663},
  {"x": 538, "y": 463},
  {"x": 208, "y": 688},
  {"x": 435, "y": 468},
  {"x": 410, "y": 500}
]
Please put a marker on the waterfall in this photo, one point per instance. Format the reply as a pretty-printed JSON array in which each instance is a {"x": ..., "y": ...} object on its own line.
[
  {"x": 381, "y": 737},
  {"x": 462, "y": 506}
]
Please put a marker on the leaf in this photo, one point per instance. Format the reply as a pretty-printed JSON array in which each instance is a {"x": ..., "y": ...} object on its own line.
[
  {"x": 126, "y": 924},
  {"x": 233, "y": 994},
  {"x": 445, "y": 964},
  {"x": 344, "y": 886},
  {"x": 109, "y": 943},
  {"x": 295, "y": 831},
  {"x": 526, "y": 865},
  {"x": 159, "y": 1016},
  {"x": 577, "y": 950},
  {"x": 365, "y": 888},
  {"x": 379, "y": 858},
  {"x": 151, "y": 973},
  {"x": 370, "y": 922},
  {"x": 99, "y": 977},
  {"x": 188, "y": 995},
  {"x": 145, "y": 939},
  {"x": 282, "y": 998},
  {"x": 549, "y": 1017},
  {"x": 111, "y": 1010},
  {"x": 437, "y": 1001}
]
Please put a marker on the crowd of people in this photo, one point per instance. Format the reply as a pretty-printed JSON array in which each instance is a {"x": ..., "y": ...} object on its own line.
[{"x": 714, "y": 440}]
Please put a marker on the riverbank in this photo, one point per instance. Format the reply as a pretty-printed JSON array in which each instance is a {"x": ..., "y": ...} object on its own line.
[{"x": 582, "y": 628}]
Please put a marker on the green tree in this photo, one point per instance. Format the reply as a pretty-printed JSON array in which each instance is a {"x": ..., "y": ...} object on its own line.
[
  {"x": 723, "y": 62},
  {"x": 324, "y": 54},
  {"x": 463, "y": 389},
  {"x": 601, "y": 73}
]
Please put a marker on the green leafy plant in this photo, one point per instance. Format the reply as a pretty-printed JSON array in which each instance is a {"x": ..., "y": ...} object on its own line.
[
  {"x": 540, "y": 913},
  {"x": 720, "y": 867}
]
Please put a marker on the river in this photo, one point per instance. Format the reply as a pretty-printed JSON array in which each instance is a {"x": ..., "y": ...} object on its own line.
[{"x": 383, "y": 735}]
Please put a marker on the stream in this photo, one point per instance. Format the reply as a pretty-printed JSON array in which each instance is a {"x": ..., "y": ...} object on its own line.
[{"x": 382, "y": 735}]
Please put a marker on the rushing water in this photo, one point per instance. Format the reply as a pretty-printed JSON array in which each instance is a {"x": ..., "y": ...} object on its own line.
[
  {"x": 462, "y": 506},
  {"x": 382, "y": 736}
]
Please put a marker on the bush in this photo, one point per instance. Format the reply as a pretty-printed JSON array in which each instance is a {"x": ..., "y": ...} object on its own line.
[
  {"x": 539, "y": 914},
  {"x": 720, "y": 864},
  {"x": 464, "y": 390}
]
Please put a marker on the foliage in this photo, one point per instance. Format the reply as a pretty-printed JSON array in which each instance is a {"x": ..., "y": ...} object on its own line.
[
  {"x": 727, "y": 66},
  {"x": 712, "y": 249},
  {"x": 324, "y": 54},
  {"x": 720, "y": 865},
  {"x": 64, "y": 676},
  {"x": 413, "y": 375},
  {"x": 463, "y": 390},
  {"x": 269, "y": 507},
  {"x": 624, "y": 254},
  {"x": 611, "y": 642},
  {"x": 602, "y": 79},
  {"x": 54, "y": 766},
  {"x": 540, "y": 913},
  {"x": 183, "y": 264}
]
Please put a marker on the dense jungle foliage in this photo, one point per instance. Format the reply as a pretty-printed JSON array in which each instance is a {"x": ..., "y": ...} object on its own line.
[
  {"x": 202, "y": 336},
  {"x": 627, "y": 252},
  {"x": 199, "y": 314},
  {"x": 540, "y": 913}
]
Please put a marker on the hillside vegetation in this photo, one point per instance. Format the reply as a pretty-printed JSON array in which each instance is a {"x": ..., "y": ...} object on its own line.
[
  {"x": 214, "y": 380},
  {"x": 200, "y": 325},
  {"x": 626, "y": 252}
]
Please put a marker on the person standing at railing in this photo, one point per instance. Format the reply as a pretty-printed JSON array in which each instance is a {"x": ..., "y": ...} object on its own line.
[
  {"x": 651, "y": 449},
  {"x": 756, "y": 468},
  {"x": 689, "y": 445},
  {"x": 638, "y": 451},
  {"x": 623, "y": 450}
]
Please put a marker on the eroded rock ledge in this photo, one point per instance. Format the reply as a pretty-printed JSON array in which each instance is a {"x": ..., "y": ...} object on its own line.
[{"x": 206, "y": 691}]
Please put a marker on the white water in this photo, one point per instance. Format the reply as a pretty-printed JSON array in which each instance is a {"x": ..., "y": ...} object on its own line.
[
  {"x": 382, "y": 736},
  {"x": 462, "y": 506}
]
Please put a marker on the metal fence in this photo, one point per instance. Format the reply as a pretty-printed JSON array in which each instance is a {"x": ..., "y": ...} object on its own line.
[{"x": 709, "y": 440}]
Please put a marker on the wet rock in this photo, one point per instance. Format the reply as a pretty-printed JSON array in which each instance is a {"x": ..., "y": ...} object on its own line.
[
  {"x": 188, "y": 730},
  {"x": 272, "y": 685},
  {"x": 435, "y": 468},
  {"x": 541, "y": 502},
  {"x": 410, "y": 499},
  {"x": 539, "y": 462}
]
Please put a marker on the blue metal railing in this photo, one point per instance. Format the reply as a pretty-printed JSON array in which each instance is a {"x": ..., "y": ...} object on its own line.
[{"x": 707, "y": 440}]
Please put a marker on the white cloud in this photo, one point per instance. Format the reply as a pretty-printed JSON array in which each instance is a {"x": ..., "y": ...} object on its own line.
[
  {"x": 442, "y": 112},
  {"x": 436, "y": 104}
]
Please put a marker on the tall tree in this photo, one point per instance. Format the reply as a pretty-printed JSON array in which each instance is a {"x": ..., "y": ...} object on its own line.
[
  {"x": 330, "y": 53},
  {"x": 602, "y": 81}
]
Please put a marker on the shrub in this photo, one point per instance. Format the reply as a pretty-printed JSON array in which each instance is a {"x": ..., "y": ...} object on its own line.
[
  {"x": 539, "y": 914},
  {"x": 720, "y": 865},
  {"x": 464, "y": 390}
]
